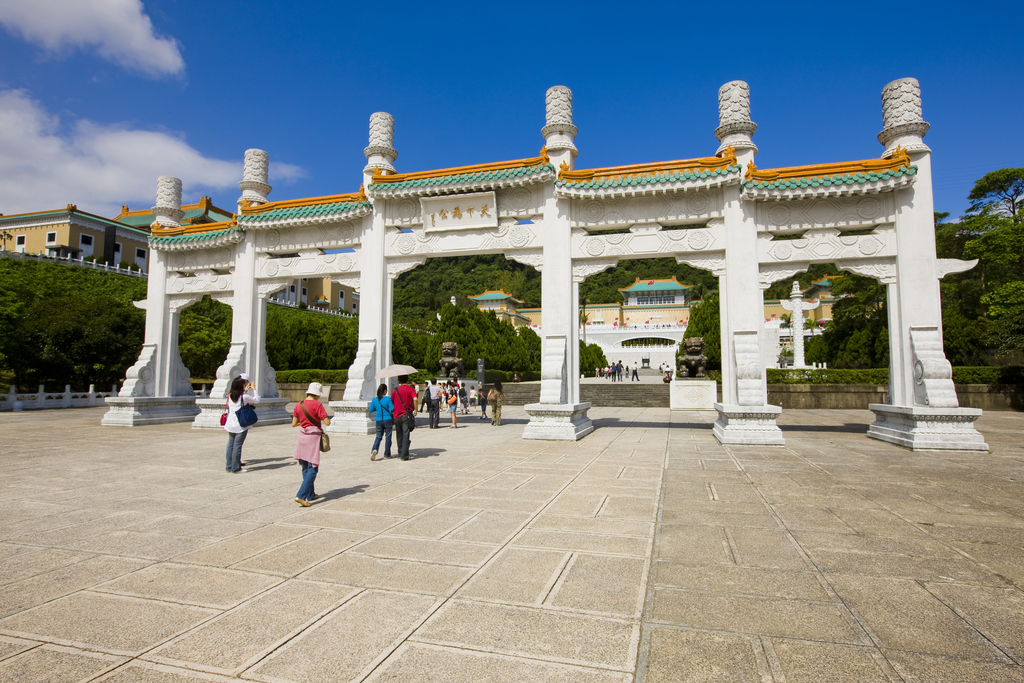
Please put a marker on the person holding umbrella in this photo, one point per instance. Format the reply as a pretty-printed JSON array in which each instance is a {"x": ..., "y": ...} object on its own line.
[{"x": 404, "y": 400}]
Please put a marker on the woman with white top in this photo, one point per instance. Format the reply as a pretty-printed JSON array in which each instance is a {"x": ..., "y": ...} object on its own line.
[{"x": 237, "y": 397}]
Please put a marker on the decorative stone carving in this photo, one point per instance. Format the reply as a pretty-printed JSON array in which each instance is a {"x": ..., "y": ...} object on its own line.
[
  {"x": 204, "y": 281},
  {"x": 853, "y": 211},
  {"x": 559, "y": 113},
  {"x": 529, "y": 257},
  {"x": 945, "y": 266},
  {"x": 692, "y": 362},
  {"x": 716, "y": 264},
  {"x": 797, "y": 306},
  {"x": 219, "y": 258},
  {"x": 233, "y": 366},
  {"x": 626, "y": 206},
  {"x": 351, "y": 281},
  {"x": 140, "y": 378},
  {"x": 582, "y": 269},
  {"x": 451, "y": 364},
  {"x": 360, "y": 385},
  {"x": 180, "y": 379},
  {"x": 267, "y": 288},
  {"x": 381, "y": 151},
  {"x": 168, "y": 211},
  {"x": 255, "y": 174},
  {"x": 175, "y": 304},
  {"x": 927, "y": 429},
  {"x": 933, "y": 375},
  {"x": 774, "y": 272},
  {"x": 749, "y": 383},
  {"x": 825, "y": 245},
  {"x": 882, "y": 269},
  {"x": 901, "y": 112},
  {"x": 734, "y": 115},
  {"x": 397, "y": 266},
  {"x": 553, "y": 376}
]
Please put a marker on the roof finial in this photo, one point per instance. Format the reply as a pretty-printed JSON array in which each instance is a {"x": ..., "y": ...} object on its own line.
[
  {"x": 168, "y": 211},
  {"x": 255, "y": 174},
  {"x": 902, "y": 123},
  {"x": 381, "y": 154},
  {"x": 735, "y": 127}
]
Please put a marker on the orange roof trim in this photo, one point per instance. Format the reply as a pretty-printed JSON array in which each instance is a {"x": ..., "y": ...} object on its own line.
[
  {"x": 899, "y": 159},
  {"x": 726, "y": 159},
  {"x": 359, "y": 196},
  {"x": 381, "y": 179},
  {"x": 158, "y": 231}
]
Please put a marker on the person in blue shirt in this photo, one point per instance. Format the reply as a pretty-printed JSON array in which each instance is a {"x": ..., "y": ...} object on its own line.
[{"x": 384, "y": 411}]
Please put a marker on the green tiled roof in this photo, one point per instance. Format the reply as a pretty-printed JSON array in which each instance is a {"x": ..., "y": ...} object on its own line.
[
  {"x": 655, "y": 286},
  {"x": 477, "y": 177},
  {"x": 193, "y": 237},
  {"x": 646, "y": 178},
  {"x": 311, "y": 210},
  {"x": 826, "y": 181},
  {"x": 490, "y": 296}
]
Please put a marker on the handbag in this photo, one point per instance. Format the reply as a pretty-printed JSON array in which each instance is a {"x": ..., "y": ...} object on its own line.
[
  {"x": 224, "y": 415},
  {"x": 325, "y": 441},
  {"x": 453, "y": 399},
  {"x": 246, "y": 415},
  {"x": 407, "y": 417}
]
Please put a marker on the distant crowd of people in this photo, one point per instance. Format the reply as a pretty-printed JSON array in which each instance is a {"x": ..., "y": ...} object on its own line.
[{"x": 616, "y": 372}]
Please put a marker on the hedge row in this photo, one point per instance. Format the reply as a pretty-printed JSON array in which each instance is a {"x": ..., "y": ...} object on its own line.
[
  {"x": 307, "y": 376},
  {"x": 505, "y": 376},
  {"x": 865, "y": 376}
]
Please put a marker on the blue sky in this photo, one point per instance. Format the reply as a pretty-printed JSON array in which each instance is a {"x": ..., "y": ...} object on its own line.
[{"x": 99, "y": 97}]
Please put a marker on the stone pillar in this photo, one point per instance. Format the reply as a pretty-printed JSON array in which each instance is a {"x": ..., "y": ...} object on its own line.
[
  {"x": 374, "y": 349},
  {"x": 157, "y": 388},
  {"x": 924, "y": 412},
  {"x": 559, "y": 415},
  {"x": 796, "y": 323},
  {"x": 744, "y": 416},
  {"x": 247, "y": 353}
]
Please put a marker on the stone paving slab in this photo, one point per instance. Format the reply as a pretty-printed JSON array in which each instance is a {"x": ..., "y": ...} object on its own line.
[{"x": 646, "y": 552}]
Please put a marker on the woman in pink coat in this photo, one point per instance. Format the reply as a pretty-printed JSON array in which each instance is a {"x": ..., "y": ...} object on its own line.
[{"x": 309, "y": 415}]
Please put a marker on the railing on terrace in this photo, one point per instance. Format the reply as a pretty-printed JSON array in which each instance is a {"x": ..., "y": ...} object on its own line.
[
  {"x": 314, "y": 309},
  {"x": 43, "y": 399},
  {"x": 70, "y": 261}
]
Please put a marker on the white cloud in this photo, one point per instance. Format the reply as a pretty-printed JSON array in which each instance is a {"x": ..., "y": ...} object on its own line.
[
  {"x": 119, "y": 30},
  {"x": 99, "y": 167}
]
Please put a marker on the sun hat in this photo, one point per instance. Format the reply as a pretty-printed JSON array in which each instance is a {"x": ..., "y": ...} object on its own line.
[{"x": 315, "y": 389}]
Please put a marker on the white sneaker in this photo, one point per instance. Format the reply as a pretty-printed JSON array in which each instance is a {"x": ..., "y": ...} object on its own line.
[{"x": 373, "y": 456}]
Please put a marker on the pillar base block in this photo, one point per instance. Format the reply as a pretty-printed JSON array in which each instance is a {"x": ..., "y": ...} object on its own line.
[
  {"x": 351, "y": 417},
  {"x": 270, "y": 411},
  {"x": 137, "y": 411},
  {"x": 920, "y": 428},
  {"x": 558, "y": 422},
  {"x": 748, "y": 425},
  {"x": 691, "y": 393}
]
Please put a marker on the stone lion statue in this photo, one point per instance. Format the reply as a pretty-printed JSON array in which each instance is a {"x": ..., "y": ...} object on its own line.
[
  {"x": 451, "y": 364},
  {"x": 692, "y": 362}
]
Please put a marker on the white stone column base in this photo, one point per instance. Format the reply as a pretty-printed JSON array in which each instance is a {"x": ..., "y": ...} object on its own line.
[
  {"x": 351, "y": 417},
  {"x": 136, "y": 411},
  {"x": 270, "y": 411},
  {"x": 558, "y": 421},
  {"x": 748, "y": 425},
  {"x": 920, "y": 428},
  {"x": 693, "y": 394}
]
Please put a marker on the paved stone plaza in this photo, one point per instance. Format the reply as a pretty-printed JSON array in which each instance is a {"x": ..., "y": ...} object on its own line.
[{"x": 646, "y": 551}]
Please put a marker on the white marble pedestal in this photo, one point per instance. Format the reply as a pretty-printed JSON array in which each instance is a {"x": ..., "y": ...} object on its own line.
[
  {"x": 748, "y": 425},
  {"x": 920, "y": 428},
  {"x": 691, "y": 393},
  {"x": 270, "y": 411},
  {"x": 135, "y": 411},
  {"x": 351, "y": 417},
  {"x": 558, "y": 422}
]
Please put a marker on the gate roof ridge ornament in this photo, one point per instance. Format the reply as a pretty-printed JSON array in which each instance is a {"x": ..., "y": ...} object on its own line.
[
  {"x": 389, "y": 179},
  {"x": 725, "y": 160}
]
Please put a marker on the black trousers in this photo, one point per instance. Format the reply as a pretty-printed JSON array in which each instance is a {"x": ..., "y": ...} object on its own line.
[
  {"x": 402, "y": 435},
  {"x": 435, "y": 412}
]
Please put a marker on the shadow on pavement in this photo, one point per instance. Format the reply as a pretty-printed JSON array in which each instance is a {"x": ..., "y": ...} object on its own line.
[
  {"x": 341, "y": 493},
  {"x": 848, "y": 428},
  {"x": 417, "y": 453}
]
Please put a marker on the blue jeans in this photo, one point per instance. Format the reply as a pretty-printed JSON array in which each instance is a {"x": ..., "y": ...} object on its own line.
[
  {"x": 384, "y": 431},
  {"x": 233, "y": 456},
  {"x": 306, "y": 491}
]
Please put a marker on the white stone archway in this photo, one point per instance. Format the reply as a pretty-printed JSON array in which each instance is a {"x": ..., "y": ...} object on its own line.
[{"x": 749, "y": 227}]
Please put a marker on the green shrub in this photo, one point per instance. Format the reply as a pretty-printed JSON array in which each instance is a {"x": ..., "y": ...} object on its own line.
[
  {"x": 307, "y": 376},
  {"x": 1010, "y": 374},
  {"x": 861, "y": 376},
  {"x": 505, "y": 376}
]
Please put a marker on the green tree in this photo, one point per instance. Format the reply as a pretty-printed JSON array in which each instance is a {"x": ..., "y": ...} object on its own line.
[
  {"x": 591, "y": 358},
  {"x": 706, "y": 322},
  {"x": 858, "y": 335},
  {"x": 1000, "y": 190}
]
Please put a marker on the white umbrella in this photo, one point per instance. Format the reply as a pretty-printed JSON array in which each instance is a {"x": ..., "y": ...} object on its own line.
[{"x": 395, "y": 371}]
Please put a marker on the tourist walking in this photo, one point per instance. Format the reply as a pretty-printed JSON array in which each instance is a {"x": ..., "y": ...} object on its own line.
[
  {"x": 483, "y": 403},
  {"x": 496, "y": 398},
  {"x": 451, "y": 400},
  {"x": 404, "y": 400},
  {"x": 384, "y": 414},
  {"x": 434, "y": 392},
  {"x": 635, "y": 375},
  {"x": 309, "y": 416},
  {"x": 238, "y": 396},
  {"x": 463, "y": 399}
]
